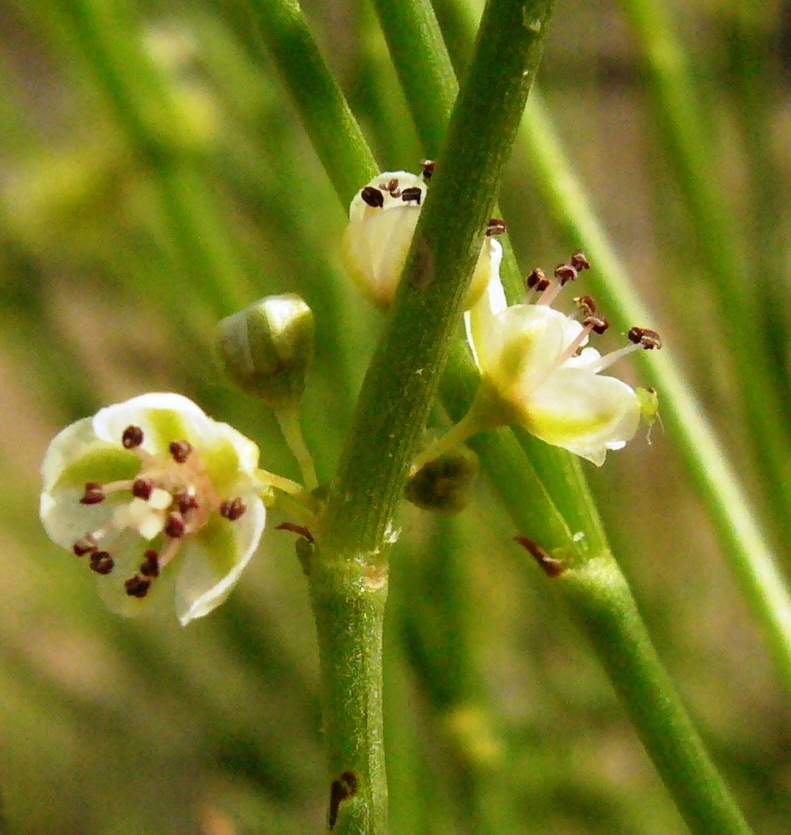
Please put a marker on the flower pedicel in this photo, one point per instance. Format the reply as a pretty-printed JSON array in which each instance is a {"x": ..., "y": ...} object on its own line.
[{"x": 154, "y": 494}]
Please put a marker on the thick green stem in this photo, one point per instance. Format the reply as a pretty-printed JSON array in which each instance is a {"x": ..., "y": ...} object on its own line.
[
  {"x": 348, "y": 593},
  {"x": 349, "y": 566}
]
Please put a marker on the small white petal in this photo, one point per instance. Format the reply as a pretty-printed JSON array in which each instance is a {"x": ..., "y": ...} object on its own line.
[
  {"x": 163, "y": 417},
  {"x": 583, "y": 412},
  {"x": 208, "y": 574}
]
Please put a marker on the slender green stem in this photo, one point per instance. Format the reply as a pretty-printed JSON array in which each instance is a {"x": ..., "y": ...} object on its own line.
[
  {"x": 471, "y": 424},
  {"x": 601, "y": 601},
  {"x": 145, "y": 109},
  {"x": 422, "y": 63},
  {"x": 688, "y": 131},
  {"x": 515, "y": 478},
  {"x": 292, "y": 432},
  {"x": 328, "y": 121}
]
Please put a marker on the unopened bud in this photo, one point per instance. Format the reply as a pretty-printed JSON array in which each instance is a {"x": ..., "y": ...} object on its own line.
[
  {"x": 444, "y": 485},
  {"x": 267, "y": 348}
]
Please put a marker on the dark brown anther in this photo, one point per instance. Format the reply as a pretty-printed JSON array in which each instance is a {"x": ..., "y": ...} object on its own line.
[
  {"x": 341, "y": 789},
  {"x": 102, "y": 562},
  {"x": 565, "y": 273},
  {"x": 586, "y": 305},
  {"x": 414, "y": 194},
  {"x": 132, "y": 437},
  {"x": 174, "y": 526},
  {"x": 142, "y": 488},
  {"x": 94, "y": 494},
  {"x": 551, "y": 566},
  {"x": 180, "y": 450},
  {"x": 392, "y": 187},
  {"x": 137, "y": 587},
  {"x": 646, "y": 338},
  {"x": 372, "y": 197},
  {"x": 428, "y": 168},
  {"x": 495, "y": 226},
  {"x": 537, "y": 280},
  {"x": 232, "y": 509},
  {"x": 185, "y": 501},
  {"x": 84, "y": 546},
  {"x": 579, "y": 261},
  {"x": 293, "y": 528},
  {"x": 597, "y": 323},
  {"x": 150, "y": 565}
]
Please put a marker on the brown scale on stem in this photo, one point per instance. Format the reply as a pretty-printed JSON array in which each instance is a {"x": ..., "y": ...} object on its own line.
[
  {"x": 551, "y": 566},
  {"x": 292, "y": 527}
]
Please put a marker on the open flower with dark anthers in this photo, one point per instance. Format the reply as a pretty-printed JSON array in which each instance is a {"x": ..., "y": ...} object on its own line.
[
  {"x": 382, "y": 220},
  {"x": 538, "y": 370},
  {"x": 158, "y": 499}
]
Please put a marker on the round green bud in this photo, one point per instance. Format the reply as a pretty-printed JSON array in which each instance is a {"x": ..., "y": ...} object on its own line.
[
  {"x": 444, "y": 485},
  {"x": 267, "y": 348}
]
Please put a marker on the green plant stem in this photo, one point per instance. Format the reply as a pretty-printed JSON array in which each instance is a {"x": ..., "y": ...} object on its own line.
[
  {"x": 673, "y": 738},
  {"x": 749, "y": 554},
  {"x": 288, "y": 419},
  {"x": 601, "y": 601},
  {"x": 349, "y": 568},
  {"x": 145, "y": 110},
  {"x": 328, "y": 121},
  {"x": 422, "y": 63},
  {"x": 687, "y": 125}
]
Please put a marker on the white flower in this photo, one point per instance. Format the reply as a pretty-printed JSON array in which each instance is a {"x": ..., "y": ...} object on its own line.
[
  {"x": 382, "y": 220},
  {"x": 159, "y": 499},
  {"x": 538, "y": 372}
]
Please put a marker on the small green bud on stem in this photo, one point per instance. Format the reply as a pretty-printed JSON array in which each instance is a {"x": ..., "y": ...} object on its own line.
[
  {"x": 444, "y": 485},
  {"x": 267, "y": 348}
]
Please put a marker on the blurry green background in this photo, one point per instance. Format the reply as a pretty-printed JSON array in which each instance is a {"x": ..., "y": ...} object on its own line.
[{"x": 123, "y": 238}]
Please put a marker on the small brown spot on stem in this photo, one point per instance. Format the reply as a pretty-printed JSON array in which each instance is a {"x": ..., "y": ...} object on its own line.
[
  {"x": 551, "y": 566},
  {"x": 341, "y": 789},
  {"x": 423, "y": 273}
]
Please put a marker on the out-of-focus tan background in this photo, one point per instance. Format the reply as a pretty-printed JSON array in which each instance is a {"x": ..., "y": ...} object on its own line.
[{"x": 499, "y": 718}]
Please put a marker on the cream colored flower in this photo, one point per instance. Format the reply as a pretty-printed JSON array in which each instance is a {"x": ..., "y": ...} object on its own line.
[
  {"x": 382, "y": 220},
  {"x": 159, "y": 499},
  {"x": 538, "y": 370}
]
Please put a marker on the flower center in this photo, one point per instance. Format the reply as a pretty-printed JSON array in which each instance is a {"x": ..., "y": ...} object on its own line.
[{"x": 172, "y": 497}]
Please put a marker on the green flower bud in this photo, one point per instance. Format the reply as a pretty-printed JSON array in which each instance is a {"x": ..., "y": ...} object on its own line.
[
  {"x": 444, "y": 485},
  {"x": 267, "y": 348}
]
